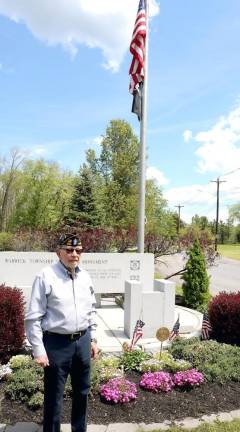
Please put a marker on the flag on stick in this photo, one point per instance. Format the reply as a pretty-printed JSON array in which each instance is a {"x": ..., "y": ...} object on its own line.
[
  {"x": 206, "y": 327},
  {"x": 175, "y": 330},
  {"x": 137, "y": 49},
  {"x": 137, "y": 333}
]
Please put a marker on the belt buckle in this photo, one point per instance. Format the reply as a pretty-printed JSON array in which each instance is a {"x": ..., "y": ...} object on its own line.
[{"x": 75, "y": 335}]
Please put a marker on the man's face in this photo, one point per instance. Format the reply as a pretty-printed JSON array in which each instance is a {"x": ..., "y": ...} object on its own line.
[{"x": 70, "y": 256}]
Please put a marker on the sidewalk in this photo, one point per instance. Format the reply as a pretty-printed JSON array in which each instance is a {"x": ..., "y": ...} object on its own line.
[{"x": 188, "y": 423}]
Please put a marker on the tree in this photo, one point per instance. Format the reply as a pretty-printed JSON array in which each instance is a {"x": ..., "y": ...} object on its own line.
[
  {"x": 113, "y": 186},
  {"x": 43, "y": 196},
  {"x": 114, "y": 176},
  {"x": 8, "y": 178},
  {"x": 200, "y": 221},
  {"x": 84, "y": 203},
  {"x": 234, "y": 212},
  {"x": 159, "y": 220},
  {"x": 195, "y": 279}
]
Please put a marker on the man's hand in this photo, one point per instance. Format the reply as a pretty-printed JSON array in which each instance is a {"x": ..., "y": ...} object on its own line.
[
  {"x": 94, "y": 350},
  {"x": 42, "y": 360}
]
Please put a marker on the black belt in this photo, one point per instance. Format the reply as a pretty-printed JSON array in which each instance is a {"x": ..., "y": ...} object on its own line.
[{"x": 71, "y": 336}]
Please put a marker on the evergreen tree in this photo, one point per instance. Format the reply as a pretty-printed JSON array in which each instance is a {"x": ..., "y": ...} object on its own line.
[
  {"x": 83, "y": 205},
  {"x": 196, "y": 280}
]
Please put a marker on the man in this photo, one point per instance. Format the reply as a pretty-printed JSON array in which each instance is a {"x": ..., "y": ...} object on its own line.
[{"x": 61, "y": 327}]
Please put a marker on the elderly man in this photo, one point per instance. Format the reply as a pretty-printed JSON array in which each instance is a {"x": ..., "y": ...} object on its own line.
[{"x": 61, "y": 327}]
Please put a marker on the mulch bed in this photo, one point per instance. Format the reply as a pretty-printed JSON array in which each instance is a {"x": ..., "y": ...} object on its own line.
[{"x": 148, "y": 408}]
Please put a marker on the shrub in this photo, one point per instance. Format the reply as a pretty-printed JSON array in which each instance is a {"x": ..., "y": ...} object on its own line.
[
  {"x": 177, "y": 365},
  {"x": 195, "y": 279},
  {"x": 36, "y": 401},
  {"x": 107, "y": 374},
  {"x": 20, "y": 361},
  {"x": 163, "y": 356},
  {"x": 103, "y": 369},
  {"x": 224, "y": 314},
  {"x": 111, "y": 362},
  {"x": 157, "y": 381},
  {"x": 131, "y": 360},
  {"x": 170, "y": 364},
  {"x": 94, "y": 378},
  {"x": 218, "y": 362},
  {"x": 6, "y": 241},
  {"x": 24, "y": 383},
  {"x": 11, "y": 321},
  {"x": 188, "y": 378},
  {"x": 151, "y": 365},
  {"x": 118, "y": 390}
]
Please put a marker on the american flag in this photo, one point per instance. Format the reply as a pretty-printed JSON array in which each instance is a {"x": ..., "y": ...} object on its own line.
[
  {"x": 137, "y": 334},
  {"x": 175, "y": 330},
  {"x": 206, "y": 327},
  {"x": 137, "y": 49}
]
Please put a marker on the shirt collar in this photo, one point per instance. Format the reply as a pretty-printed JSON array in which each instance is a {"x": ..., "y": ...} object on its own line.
[{"x": 66, "y": 271}]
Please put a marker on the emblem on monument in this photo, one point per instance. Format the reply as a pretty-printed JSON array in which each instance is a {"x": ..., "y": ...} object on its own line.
[{"x": 135, "y": 265}]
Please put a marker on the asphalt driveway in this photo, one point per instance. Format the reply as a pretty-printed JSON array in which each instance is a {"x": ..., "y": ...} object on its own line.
[{"x": 225, "y": 273}]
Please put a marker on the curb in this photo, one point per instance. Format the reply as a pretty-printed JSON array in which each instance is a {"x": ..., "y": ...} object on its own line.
[{"x": 187, "y": 423}]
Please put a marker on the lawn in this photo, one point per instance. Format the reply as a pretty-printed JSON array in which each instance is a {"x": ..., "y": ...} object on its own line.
[
  {"x": 233, "y": 426},
  {"x": 230, "y": 251}
]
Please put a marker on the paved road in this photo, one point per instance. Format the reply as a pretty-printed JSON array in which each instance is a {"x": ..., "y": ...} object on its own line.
[{"x": 225, "y": 274}]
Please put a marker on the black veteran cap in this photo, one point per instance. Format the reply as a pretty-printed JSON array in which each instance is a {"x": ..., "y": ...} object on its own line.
[{"x": 69, "y": 240}]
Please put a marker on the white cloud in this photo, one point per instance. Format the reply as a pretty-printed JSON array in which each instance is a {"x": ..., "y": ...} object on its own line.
[
  {"x": 219, "y": 149},
  {"x": 219, "y": 153},
  {"x": 155, "y": 174},
  {"x": 202, "y": 199},
  {"x": 105, "y": 24},
  {"x": 187, "y": 135},
  {"x": 39, "y": 151}
]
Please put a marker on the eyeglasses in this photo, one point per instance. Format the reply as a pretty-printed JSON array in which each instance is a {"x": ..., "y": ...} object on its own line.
[{"x": 69, "y": 251}]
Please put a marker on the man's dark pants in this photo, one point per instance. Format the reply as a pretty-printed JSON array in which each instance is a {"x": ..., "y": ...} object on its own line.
[{"x": 66, "y": 357}]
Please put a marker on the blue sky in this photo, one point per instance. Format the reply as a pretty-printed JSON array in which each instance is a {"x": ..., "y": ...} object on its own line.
[{"x": 64, "y": 76}]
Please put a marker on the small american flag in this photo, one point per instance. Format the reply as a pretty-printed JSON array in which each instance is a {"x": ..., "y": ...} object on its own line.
[
  {"x": 175, "y": 330},
  {"x": 206, "y": 327},
  {"x": 137, "y": 334},
  {"x": 137, "y": 49}
]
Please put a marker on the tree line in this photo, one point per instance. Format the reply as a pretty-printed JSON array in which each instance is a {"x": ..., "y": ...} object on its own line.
[{"x": 40, "y": 195}]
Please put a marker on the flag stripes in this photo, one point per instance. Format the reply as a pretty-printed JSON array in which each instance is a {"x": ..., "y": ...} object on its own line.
[
  {"x": 206, "y": 327},
  {"x": 137, "y": 48},
  {"x": 175, "y": 331},
  {"x": 137, "y": 333}
]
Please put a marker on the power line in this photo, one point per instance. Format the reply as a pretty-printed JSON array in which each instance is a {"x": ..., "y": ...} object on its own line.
[{"x": 230, "y": 172}]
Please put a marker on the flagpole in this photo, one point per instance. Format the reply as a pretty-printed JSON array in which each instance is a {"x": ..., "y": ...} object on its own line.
[{"x": 143, "y": 134}]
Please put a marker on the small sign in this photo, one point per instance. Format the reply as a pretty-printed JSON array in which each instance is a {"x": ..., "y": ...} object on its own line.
[{"x": 162, "y": 334}]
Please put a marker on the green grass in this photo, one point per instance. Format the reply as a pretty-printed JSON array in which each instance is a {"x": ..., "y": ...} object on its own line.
[
  {"x": 233, "y": 426},
  {"x": 230, "y": 251}
]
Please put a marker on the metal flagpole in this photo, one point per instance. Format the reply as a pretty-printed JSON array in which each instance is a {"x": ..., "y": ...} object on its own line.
[{"x": 143, "y": 135}]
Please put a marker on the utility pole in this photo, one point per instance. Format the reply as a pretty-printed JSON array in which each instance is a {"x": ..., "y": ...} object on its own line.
[
  {"x": 179, "y": 210},
  {"x": 217, "y": 211}
]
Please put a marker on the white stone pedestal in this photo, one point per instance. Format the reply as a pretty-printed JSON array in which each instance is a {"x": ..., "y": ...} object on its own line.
[{"x": 155, "y": 308}]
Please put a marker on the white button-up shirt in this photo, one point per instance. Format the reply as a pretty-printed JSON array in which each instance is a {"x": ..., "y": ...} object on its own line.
[{"x": 60, "y": 304}]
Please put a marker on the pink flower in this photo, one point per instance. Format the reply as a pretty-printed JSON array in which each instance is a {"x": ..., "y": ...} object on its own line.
[
  {"x": 118, "y": 390},
  {"x": 157, "y": 381},
  {"x": 188, "y": 378}
]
